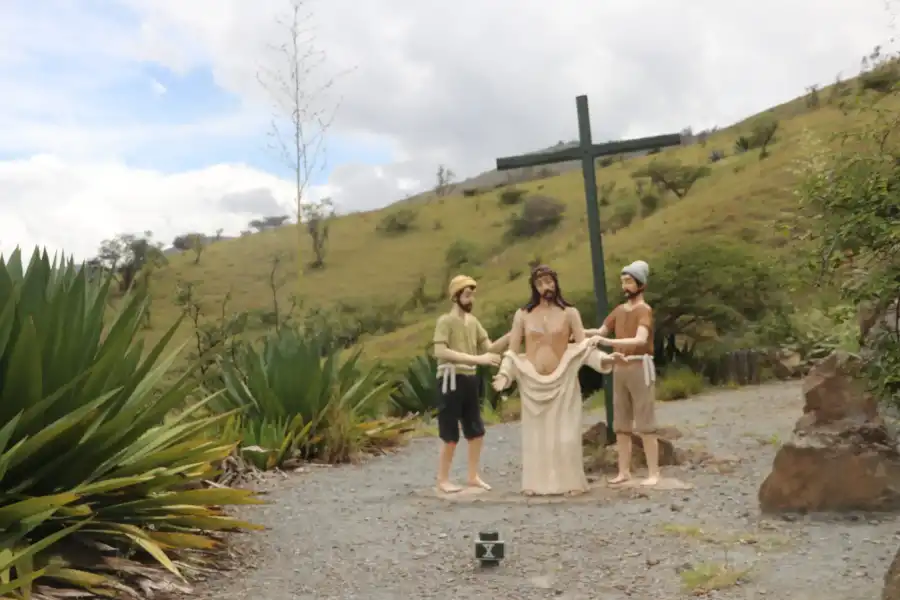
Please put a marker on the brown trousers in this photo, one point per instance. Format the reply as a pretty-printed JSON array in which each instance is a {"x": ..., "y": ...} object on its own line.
[{"x": 633, "y": 400}]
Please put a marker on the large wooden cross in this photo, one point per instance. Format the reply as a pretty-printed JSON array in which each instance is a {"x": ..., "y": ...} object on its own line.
[{"x": 587, "y": 152}]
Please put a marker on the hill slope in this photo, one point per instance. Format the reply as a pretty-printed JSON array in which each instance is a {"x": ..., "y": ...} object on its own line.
[{"x": 743, "y": 197}]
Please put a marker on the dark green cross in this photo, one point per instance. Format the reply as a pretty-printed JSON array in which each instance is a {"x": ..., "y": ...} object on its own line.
[{"x": 587, "y": 152}]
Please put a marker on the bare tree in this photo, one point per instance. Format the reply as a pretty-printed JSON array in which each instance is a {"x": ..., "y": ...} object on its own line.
[
  {"x": 445, "y": 179},
  {"x": 299, "y": 90}
]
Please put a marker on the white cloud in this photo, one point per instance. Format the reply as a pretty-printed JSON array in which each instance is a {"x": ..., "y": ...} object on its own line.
[
  {"x": 438, "y": 82},
  {"x": 72, "y": 206},
  {"x": 158, "y": 88}
]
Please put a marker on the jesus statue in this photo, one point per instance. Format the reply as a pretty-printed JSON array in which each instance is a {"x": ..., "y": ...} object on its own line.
[{"x": 547, "y": 377}]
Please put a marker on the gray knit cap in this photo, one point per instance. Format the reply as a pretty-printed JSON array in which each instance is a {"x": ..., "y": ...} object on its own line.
[{"x": 639, "y": 271}]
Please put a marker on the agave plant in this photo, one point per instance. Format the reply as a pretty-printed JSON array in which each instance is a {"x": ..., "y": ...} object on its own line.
[
  {"x": 301, "y": 399},
  {"x": 417, "y": 390},
  {"x": 91, "y": 469}
]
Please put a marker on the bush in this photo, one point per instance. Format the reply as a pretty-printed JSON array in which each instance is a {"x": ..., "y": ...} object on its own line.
[
  {"x": 459, "y": 253},
  {"x": 622, "y": 216},
  {"x": 398, "y": 222},
  {"x": 91, "y": 465},
  {"x": 649, "y": 204},
  {"x": 716, "y": 155},
  {"x": 511, "y": 196},
  {"x": 539, "y": 215},
  {"x": 301, "y": 400},
  {"x": 471, "y": 192},
  {"x": 678, "y": 383}
]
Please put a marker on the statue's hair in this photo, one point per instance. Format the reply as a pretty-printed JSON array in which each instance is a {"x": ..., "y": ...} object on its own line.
[{"x": 536, "y": 273}]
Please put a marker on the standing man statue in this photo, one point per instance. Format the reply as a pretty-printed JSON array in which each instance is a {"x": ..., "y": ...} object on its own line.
[
  {"x": 634, "y": 393},
  {"x": 547, "y": 376},
  {"x": 460, "y": 345}
]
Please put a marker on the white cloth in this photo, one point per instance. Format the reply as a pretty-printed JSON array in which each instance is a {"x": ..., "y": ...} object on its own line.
[
  {"x": 446, "y": 372},
  {"x": 647, "y": 364},
  {"x": 552, "y": 457}
]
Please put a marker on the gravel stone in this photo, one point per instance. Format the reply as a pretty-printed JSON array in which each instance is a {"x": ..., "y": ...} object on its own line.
[{"x": 373, "y": 531}]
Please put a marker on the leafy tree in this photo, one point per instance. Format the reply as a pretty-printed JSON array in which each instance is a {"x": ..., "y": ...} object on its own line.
[
  {"x": 267, "y": 223},
  {"x": 317, "y": 217},
  {"x": 672, "y": 176},
  {"x": 128, "y": 255},
  {"x": 195, "y": 242},
  {"x": 853, "y": 195}
]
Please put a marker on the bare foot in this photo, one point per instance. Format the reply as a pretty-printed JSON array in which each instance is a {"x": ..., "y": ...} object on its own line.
[
  {"x": 529, "y": 492},
  {"x": 571, "y": 493},
  {"x": 651, "y": 480},
  {"x": 448, "y": 488},
  {"x": 620, "y": 478},
  {"x": 479, "y": 483}
]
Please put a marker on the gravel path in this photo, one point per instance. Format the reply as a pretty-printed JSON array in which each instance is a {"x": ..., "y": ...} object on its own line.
[{"x": 371, "y": 532}]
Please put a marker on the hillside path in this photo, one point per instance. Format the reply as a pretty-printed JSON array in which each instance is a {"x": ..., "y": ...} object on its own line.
[{"x": 375, "y": 531}]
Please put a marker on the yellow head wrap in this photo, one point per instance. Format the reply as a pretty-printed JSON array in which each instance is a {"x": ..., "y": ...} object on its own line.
[{"x": 459, "y": 283}]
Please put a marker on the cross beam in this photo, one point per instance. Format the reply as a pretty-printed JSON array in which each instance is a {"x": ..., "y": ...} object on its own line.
[{"x": 587, "y": 152}]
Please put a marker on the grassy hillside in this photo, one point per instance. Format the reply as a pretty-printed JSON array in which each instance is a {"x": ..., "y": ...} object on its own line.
[{"x": 743, "y": 197}]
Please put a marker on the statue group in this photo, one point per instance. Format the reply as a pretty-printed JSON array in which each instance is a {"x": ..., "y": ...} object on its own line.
[{"x": 556, "y": 346}]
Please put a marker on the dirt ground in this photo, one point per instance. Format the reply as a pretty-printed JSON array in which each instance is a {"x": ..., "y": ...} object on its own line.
[{"x": 377, "y": 531}]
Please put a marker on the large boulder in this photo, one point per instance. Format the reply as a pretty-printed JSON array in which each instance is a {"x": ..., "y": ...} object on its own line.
[{"x": 841, "y": 456}]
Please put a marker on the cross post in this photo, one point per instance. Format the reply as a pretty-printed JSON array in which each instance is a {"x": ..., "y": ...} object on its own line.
[{"x": 587, "y": 152}]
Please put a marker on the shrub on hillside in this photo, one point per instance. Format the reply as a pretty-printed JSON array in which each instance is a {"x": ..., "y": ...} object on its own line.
[
  {"x": 539, "y": 215},
  {"x": 622, "y": 216},
  {"x": 716, "y": 155},
  {"x": 460, "y": 253},
  {"x": 649, "y": 204},
  {"x": 95, "y": 465},
  {"x": 397, "y": 222},
  {"x": 511, "y": 196}
]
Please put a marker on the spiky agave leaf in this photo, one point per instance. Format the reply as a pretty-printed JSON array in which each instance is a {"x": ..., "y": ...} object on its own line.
[{"x": 87, "y": 456}]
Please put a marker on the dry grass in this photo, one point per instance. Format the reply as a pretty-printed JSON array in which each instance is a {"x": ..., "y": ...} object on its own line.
[
  {"x": 708, "y": 577},
  {"x": 760, "y": 541},
  {"x": 743, "y": 197}
]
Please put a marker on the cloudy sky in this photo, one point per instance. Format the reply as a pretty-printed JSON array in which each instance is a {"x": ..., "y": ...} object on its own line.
[{"x": 131, "y": 115}]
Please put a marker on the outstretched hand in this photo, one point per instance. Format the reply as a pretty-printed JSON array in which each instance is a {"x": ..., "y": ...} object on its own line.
[
  {"x": 599, "y": 340},
  {"x": 618, "y": 358},
  {"x": 489, "y": 359},
  {"x": 500, "y": 382}
]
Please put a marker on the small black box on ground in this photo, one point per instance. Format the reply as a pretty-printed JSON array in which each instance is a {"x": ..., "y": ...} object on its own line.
[{"x": 489, "y": 548}]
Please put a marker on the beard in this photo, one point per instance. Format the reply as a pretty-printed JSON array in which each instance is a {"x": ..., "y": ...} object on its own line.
[
  {"x": 549, "y": 295},
  {"x": 465, "y": 307},
  {"x": 631, "y": 295}
]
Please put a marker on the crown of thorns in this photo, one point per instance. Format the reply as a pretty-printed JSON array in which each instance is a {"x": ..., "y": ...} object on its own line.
[{"x": 540, "y": 271}]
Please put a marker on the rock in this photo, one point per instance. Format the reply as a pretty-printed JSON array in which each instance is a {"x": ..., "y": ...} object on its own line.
[
  {"x": 599, "y": 456},
  {"x": 841, "y": 456},
  {"x": 891, "y": 590},
  {"x": 833, "y": 393},
  {"x": 787, "y": 364},
  {"x": 833, "y": 473}
]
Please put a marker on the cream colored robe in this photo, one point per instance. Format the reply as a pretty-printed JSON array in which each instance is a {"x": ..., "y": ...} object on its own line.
[{"x": 552, "y": 458}]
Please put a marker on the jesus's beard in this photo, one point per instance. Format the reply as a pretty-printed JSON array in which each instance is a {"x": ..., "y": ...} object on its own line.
[{"x": 549, "y": 295}]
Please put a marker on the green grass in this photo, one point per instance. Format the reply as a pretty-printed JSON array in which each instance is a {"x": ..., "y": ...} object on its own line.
[
  {"x": 744, "y": 198},
  {"x": 678, "y": 384}
]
